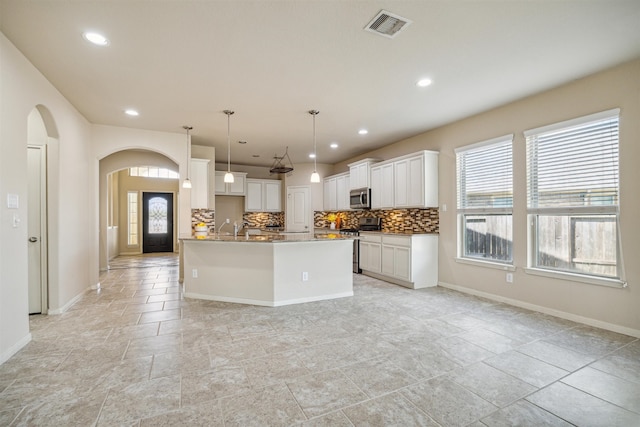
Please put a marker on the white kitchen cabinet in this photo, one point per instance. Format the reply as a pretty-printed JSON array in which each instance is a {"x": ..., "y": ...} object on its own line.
[
  {"x": 263, "y": 195},
  {"x": 382, "y": 186},
  {"x": 336, "y": 192},
  {"x": 407, "y": 260},
  {"x": 199, "y": 183},
  {"x": 370, "y": 253},
  {"x": 236, "y": 188},
  {"x": 359, "y": 173},
  {"x": 406, "y": 182}
]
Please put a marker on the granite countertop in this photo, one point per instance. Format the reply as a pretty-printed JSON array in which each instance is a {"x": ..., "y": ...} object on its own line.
[
  {"x": 268, "y": 238},
  {"x": 401, "y": 233}
]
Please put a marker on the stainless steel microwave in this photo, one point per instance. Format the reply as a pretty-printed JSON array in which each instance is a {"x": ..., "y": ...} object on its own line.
[{"x": 360, "y": 198}]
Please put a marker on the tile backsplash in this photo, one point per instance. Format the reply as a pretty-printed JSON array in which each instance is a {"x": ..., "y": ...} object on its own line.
[
  {"x": 203, "y": 215},
  {"x": 262, "y": 219},
  {"x": 393, "y": 221}
]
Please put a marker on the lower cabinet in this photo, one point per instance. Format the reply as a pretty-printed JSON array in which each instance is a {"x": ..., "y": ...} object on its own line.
[{"x": 407, "y": 260}]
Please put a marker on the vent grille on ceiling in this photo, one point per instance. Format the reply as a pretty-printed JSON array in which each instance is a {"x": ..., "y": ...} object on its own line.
[{"x": 387, "y": 24}]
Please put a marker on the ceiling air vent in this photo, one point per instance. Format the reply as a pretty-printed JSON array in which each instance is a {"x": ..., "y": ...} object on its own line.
[{"x": 387, "y": 24}]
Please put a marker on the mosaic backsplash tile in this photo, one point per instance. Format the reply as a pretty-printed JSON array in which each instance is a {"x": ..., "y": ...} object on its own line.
[
  {"x": 262, "y": 219},
  {"x": 393, "y": 221},
  {"x": 203, "y": 215}
]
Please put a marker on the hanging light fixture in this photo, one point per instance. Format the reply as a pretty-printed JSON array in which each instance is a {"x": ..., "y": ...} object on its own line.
[
  {"x": 228, "y": 177},
  {"x": 314, "y": 176},
  {"x": 187, "y": 182}
]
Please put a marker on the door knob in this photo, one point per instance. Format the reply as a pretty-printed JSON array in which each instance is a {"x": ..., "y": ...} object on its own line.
[{"x": 33, "y": 239}]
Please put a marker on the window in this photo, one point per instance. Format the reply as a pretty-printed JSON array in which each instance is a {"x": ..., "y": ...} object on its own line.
[
  {"x": 572, "y": 196},
  {"x": 485, "y": 200},
  {"x": 132, "y": 217},
  {"x": 153, "y": 172}
]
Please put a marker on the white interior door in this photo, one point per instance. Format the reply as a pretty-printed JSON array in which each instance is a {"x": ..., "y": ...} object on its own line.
[
  {"x": 36, "y": 228},
  {"x": 298, "y": 211}
]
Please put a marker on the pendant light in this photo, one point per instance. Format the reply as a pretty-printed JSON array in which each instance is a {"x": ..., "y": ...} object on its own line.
[
  {"x": 187, "y": 182},
  {"x": 314, "y": 176},
  {"x": 228, "y": 177}
]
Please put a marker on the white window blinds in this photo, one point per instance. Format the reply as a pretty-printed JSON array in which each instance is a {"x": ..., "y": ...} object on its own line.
[
  {"x": 485, "y": 176},
  {"x": 574, "y": 164}
]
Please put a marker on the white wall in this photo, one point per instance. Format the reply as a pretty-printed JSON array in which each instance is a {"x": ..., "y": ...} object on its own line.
[{"x": 72, "y": 200}]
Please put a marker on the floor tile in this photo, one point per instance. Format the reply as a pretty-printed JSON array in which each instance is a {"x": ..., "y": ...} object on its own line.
[
  {"x": 154, "y": 345},
  {"x": 378, "y": 376},
  {"x": 560, "y": 357},
  {"x": 174, "y": 363},
  {"x": 198, "y": 386},
  {"x": 461, "y": 351},
  {"x": 491, "y": 384},
  {"x": 333, "y": 419},
  {"x": 274, "y": 369},
  {"x": 523, "y": 413},
  {"x": 582, "y": 409},
  {"x": 207, "y": 414},
  {"x": 624, "y": 363},
  {"x": 324, "y": 392},
  {"x": 74, "y": 411},
  {"x": 589, "y": 340},
  {"x": 447, "y": 402},
  {"x": 526, "y": 368},
  {"x": 271, "y": 406},
  {"x": 141, "y": 400},
  {"x": 607, "y": 387},
  {"x": 490, "y": 340},
  {"x": 389, "y": 410},
  {"x": 159, "y": 316}
]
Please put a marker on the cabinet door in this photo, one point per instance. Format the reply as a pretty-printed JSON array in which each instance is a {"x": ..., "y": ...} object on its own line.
[
  {"x": 237, "y": 187},
  {"x": 329, "y": 194},
  {"x": 402, "y": 263},
  {"x": 342, "y": 192},
  {"x": 375, "y": 257},
  {"x": 401, "y": 190},
  {"x": 415, "y": 181},
  {"x": 388, "y": 189},
  {"x": 376, "y": 188},
  {"x": 370, "y": 256},
  {"x": 387, "y": 263},
  {"x": 221, "y": 187},
  {"x": 272, "y": 197},
  {"x": 253, "y": 201},
  {"x": 199, "y": 184}
]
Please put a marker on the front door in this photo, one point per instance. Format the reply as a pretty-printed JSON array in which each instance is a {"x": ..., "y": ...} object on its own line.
[{"x": 157, "y": 222}]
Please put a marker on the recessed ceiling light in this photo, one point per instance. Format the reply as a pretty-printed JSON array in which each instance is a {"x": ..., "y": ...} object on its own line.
[
  {"x": 312, "y": 155},
  {"x": 423, "y": 82},
  {"x": 242, "y": 142},
  {"x": 131, "y": 113},
  {"x": 334, "y": 145},
  {"x": 255, "y": 155},
  {"x": 95, "y": 38},
  {"x": 363, "y": 131}
]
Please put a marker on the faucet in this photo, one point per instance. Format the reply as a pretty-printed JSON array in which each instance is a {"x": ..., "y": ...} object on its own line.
[
  {"x": 225, "y": 222},
  {"x": 235, "y": 229}
]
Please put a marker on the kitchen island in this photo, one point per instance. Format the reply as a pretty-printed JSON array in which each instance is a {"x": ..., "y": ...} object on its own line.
[{"x": 267, "y": 270}]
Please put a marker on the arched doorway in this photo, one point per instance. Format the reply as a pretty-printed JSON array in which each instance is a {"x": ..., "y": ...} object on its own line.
[{"x": 41, "y": 131}]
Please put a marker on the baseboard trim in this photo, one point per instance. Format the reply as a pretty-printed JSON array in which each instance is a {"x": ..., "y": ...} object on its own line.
[
  {"x": 546, "y": 310},
  {"x": 15, "y": 348},
  {"x": 68, "y": 305},
  {"x": 267, "y": 303}
]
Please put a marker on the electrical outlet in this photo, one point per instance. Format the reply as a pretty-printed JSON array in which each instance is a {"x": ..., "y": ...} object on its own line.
[
  {"x": 305, "y": 276},
  {"x": 509, "y": 277},
  {"x": 194, "y": 273}
]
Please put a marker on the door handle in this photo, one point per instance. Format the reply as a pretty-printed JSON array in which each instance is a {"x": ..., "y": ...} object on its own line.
[{"x": 33, "y": 239}]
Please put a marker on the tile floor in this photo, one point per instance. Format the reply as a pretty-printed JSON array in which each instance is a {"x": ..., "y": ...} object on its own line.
[{"x": 136, "y": 353}]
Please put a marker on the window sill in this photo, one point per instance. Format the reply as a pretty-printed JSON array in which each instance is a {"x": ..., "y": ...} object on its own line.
[
  {"x": 582, "y": 278},
  {"x": 488, "y": 264}
]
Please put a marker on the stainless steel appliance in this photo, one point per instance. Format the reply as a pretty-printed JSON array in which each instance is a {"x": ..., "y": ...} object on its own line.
[
  {"x": 364, "y": 224},
  {"x": 360, "y": 198}
]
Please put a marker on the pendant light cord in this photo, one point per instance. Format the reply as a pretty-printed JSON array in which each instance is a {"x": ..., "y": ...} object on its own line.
[{"x": 229, "y": 113}]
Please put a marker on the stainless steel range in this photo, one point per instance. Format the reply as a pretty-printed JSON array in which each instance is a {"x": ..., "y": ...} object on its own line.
[{"x": 364, "y": 224}]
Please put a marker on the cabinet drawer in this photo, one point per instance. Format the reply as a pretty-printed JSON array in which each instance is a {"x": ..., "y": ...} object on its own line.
[
  {"x": 371, "y": 237},
  {"x": 397, "y": 240}
]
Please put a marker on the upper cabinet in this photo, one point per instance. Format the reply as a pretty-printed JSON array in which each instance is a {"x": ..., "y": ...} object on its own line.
[
  {"x": 263, "y": 195},
  {"x": 336, "y": 192},
  {"x": 409, "y": 181},
  {"x": 360, "y": 173},
  {"x": 199, "y": 183},
  {"x": 236, "y": 188}
]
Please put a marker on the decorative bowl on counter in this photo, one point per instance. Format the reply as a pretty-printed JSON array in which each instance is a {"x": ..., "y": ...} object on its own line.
[{"x": 201, "y": 226}]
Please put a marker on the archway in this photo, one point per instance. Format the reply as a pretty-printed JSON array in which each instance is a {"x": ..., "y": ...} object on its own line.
[{"x": 41, "y": 135}]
